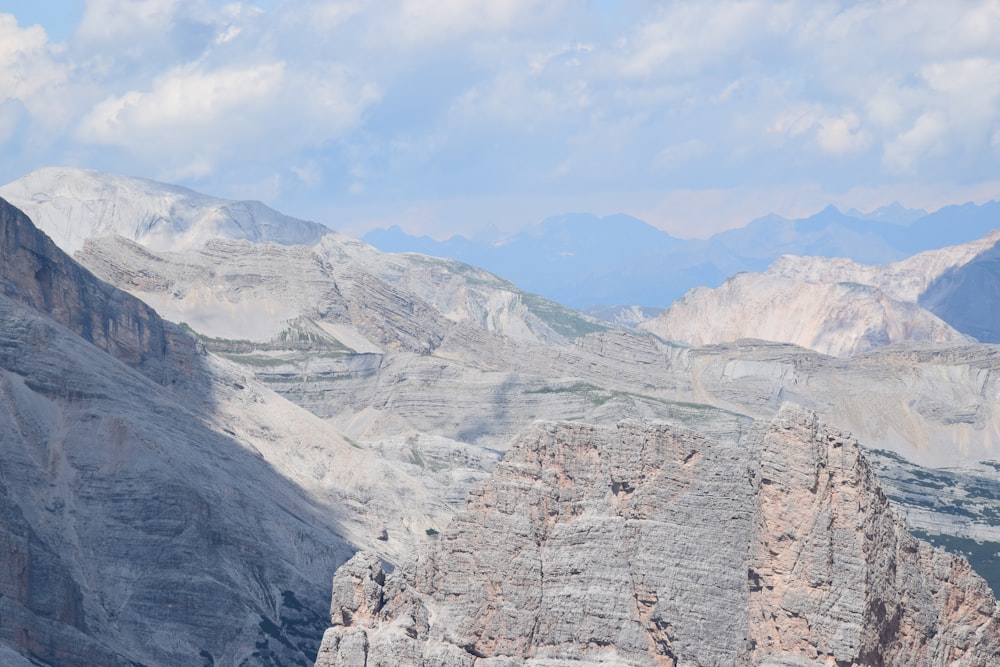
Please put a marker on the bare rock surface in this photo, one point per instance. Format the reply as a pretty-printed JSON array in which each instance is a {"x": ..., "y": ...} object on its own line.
[
  {"x": 840, "y": 319},
  {"x": 833, "y": 306},
  {"x": 157, "y": 504},
  {"x": 73, "y": 205},
  {"x": 653, "y": 545}
]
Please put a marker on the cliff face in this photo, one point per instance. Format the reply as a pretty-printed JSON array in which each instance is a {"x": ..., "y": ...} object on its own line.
[
  {"x": 36, "y": 273},
  {"x": 651, "y": 545}
]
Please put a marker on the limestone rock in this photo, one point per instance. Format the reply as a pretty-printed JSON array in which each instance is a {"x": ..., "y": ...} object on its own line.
[
  {"x": 652, "y": 545},
  {"x": 73, "y": 205},
  {"x": 839, "y": 319},
  {"x": 157, "y": 504}
]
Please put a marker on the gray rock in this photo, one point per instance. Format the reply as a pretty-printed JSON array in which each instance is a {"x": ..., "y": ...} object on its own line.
[{"x": 653, "y": 545}]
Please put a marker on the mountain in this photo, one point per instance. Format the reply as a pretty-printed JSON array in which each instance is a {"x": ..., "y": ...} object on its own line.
[
  {"x": 579, "y": 260},
  {"x": 585, "y": 261},
  {"x": 596, "y": 546},
  {"x": 405, "y": 379},
  {"x": 198, "y": 241},
  {"x": 834, "y": 306},
  {"x": 158, "y": 504},
  {"x": 72, "y": 205},
  {"x": 968, "y": 296}
]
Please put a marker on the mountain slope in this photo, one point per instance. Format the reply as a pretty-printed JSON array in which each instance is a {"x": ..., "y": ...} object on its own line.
[
  {"x": 157, "y": 502},
  {"x": 968, "y": 296}
]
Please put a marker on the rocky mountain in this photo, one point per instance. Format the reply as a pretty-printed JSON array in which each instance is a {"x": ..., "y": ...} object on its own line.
[
  {"x": 585, "y": 261},
  {"x": 409, "y": 376},
  {"x": 160, "y": 505},
  {"x": 596, "y": 546},
  {"x": 174, "y": 236},
  {"x": 73, "y": 205},
  {"x": 834, "y": 306},
  {"x": 839, "y": 319},
  {"x": 967, "y": 296}
]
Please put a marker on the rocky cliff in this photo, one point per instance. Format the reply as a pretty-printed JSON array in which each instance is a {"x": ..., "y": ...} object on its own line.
[
  {"x": 652, "y": 545},
  {"x": 157, "y": 504},
  {"x": 39, "y": 275}
]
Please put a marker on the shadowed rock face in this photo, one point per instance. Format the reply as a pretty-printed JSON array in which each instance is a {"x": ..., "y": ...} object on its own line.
[
  {"x": 968, "y": 297},
  {"x": 38, "y": 274},
  {"x": 652, "y": 545},
  {"x": 157, "y": 506}
]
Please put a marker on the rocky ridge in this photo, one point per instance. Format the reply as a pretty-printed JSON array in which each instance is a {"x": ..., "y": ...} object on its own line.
[
  {"x": 833, "y": 306},
  {"x": 596, "y": 546},
  {"x": 73, "y": 205}
]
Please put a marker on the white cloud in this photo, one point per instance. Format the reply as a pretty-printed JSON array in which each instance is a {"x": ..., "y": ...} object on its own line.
[
  {"x": 842, "y": 134},
  {"x": 423, "y": 22},
  {"x": 926, "y": 138},
  {"x": 183, "y": 98},
  {"x": 226, "y": 114},
  {"x": 118, "y": 21},
  {"x": 27, "y": 68}
]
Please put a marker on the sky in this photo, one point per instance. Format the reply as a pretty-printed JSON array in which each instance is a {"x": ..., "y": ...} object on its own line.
[{"x": 448, "y": 116}]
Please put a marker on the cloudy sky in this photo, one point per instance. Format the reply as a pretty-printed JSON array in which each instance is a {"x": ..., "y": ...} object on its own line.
[{"x": 445, "y": 116}]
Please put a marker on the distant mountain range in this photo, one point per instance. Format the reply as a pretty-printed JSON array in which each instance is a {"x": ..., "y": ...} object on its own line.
[{"x": 582, "y": 260}]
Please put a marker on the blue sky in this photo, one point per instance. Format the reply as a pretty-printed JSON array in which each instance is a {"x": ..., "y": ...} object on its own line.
[{"x": 445, "y": 116}]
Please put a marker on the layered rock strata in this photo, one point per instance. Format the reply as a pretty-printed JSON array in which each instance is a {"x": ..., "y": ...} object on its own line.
[
  {"x": 653, "y": 545},
  {"x": 157, "y": 505}
]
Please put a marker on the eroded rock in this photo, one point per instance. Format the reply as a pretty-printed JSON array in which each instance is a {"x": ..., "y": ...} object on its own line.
[{"x": 653, "y": 545}]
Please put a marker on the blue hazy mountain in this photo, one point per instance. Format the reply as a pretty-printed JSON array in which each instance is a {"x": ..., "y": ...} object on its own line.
[{"x": 583, "y": 260}]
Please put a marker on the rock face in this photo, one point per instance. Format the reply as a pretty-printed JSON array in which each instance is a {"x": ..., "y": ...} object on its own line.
[
  {"x": 652, "y": 545},
  {"x": 38, "y": 274},
  {"x": 157, "y": 505}
]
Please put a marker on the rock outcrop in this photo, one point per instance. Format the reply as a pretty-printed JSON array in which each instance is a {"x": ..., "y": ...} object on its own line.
[{"x": 652, "y": 545}]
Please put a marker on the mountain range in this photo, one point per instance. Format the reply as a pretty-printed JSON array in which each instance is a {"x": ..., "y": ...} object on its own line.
[
  {"x": 187, "y": 489},
  {"x": 584, "y": 261}
]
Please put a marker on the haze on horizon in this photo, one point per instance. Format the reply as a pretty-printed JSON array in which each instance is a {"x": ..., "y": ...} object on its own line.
[{"x": 446, "y": 116}]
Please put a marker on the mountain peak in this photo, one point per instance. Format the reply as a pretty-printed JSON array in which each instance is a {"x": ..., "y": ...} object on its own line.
[{"x": 71, "y": 205}]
